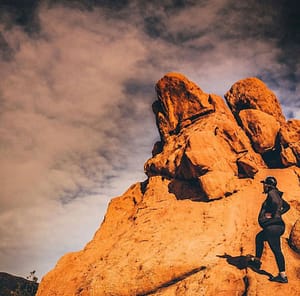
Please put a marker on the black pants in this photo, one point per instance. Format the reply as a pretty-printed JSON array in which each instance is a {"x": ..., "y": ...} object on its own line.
[{"x": 271, "y": 234}]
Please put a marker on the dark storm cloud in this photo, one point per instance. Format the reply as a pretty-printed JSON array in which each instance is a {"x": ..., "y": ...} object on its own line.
[
  {"x": 22, "y": 13},
  {"x": 90, "y": 4},
  {"x": 134, "y": 86},
  {"x": 235, "y": 23},
  {"x": 66, "y": 140},
  {"x": 277, "y": 22},
  {"x": 5, "y": 50}
]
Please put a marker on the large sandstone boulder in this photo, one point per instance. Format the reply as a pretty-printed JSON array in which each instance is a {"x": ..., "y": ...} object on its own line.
[
  {"x": 261, "y": 128},
  {"x": 180, "y": 101},
  {"x": 257, "y": 110},
  {"x": 203, "y": 159},
  {"x": 252, "y": 93},
  {"x": 290, "y": 142}
]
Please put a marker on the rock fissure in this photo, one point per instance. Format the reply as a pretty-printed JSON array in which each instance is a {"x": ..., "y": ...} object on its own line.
[
  {"x": 173, "y": 281},
  {"x": 247, "y": 284}
]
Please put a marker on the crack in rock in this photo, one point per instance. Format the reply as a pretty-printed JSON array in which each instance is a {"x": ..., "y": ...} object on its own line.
[{"x": 173, "y": 281}]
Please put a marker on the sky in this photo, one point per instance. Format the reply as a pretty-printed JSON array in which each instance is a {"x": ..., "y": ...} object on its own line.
[{"x": 77, "y": 83}]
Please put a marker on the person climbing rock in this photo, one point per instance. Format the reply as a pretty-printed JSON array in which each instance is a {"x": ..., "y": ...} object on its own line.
[{"x": 273, "y": 226}]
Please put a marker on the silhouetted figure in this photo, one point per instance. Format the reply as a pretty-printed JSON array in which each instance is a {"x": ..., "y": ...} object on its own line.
[{"x": 270, "y": 220}]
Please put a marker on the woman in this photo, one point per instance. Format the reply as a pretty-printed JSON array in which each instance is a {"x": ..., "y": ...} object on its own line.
[{"x": 270, "y": 220}]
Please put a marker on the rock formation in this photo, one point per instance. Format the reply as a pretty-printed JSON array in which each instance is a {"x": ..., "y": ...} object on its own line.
[
  {"x": 294, "y": 238},
  {"x": 258, "y": 111},
  {"x": 157, "y": 240},
  {"x": 201, "y": 143}
]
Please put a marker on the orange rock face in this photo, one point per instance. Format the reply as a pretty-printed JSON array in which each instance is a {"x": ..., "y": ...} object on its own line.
[
  {"x": 162, "y": 237},
  {"x": 290, "y": 142},
  {"x": 261, "y": 128},
  {"x": 151, "y": 243},
  {"x": 252, "y": 93},
  {"x": 201, "y": 141},
  {"x": 179, "y": 102},
  {"x": 258, "y": 111},
  {"x": 294, "y": 238}
]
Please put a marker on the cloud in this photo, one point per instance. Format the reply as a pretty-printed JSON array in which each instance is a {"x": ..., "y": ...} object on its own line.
[
  {"x": 76, "y": 90},
  {"x": 64, "y": 135}
]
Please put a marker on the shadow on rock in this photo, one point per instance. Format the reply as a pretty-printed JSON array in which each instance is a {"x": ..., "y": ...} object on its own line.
[
  {"x": 242, "y": 262},
  {"x": 172, "y": 281},
  {"x": 187, "y": 189}
]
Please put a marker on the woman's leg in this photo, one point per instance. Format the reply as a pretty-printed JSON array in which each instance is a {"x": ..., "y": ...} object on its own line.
[
  {"x": 273, "y": 233},
  {"x": 259, "y": 244}
]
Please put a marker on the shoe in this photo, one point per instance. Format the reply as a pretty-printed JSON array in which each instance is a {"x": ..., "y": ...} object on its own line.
[
  {"x": 253, "y": 262},
  {"x": 279, "y": 279}
]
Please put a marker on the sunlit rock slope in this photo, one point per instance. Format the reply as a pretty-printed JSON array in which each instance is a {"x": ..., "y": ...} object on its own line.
[{"x": 187, "y": 228}]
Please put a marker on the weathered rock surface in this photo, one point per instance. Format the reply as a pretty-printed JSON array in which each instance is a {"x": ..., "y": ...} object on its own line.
[
  {"x": 257, "y": 110},
  {"x": 150, "y": 243},
  {"x": 200, "y": 140},
  {"x": 156, "y": 240},
  {"x": 252, "y": 93},
  {"x": 180, "y": 102},
  {"x": 294, "y": 238},
  {"x": 290, "y": 142},
  {"x": 261, "y": 128}
]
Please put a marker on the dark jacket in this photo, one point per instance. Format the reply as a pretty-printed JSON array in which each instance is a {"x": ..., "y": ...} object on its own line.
[{"x": 274, "y": 205}]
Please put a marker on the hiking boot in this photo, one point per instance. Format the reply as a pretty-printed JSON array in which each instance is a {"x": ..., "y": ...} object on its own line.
[
  {"x": 279, "y": 279},
  {"x": 253, "y": 262}
]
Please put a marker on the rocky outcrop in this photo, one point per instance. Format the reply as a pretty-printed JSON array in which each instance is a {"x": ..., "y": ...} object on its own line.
[
  {"x": 257, "y": 110},
  {"x": 150, "y": 243},
  {"x": 203, "y": 142},
  {"x": 180, "y": 102},
  {"x": 252, "y": 93},
  {"x": 156, "y": 240},
  {"x": 261, "y": 128},
  {"x": 200, "y": 141},
  {"x": 290, "y": 143},
  {"x": 294, "y": 238}
]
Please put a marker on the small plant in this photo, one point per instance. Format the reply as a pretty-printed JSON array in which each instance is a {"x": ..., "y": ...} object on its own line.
[{"x": 32, "y": 277}]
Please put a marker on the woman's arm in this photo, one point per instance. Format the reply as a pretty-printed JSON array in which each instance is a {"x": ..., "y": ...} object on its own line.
[{"x": 285, "y": 207}]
